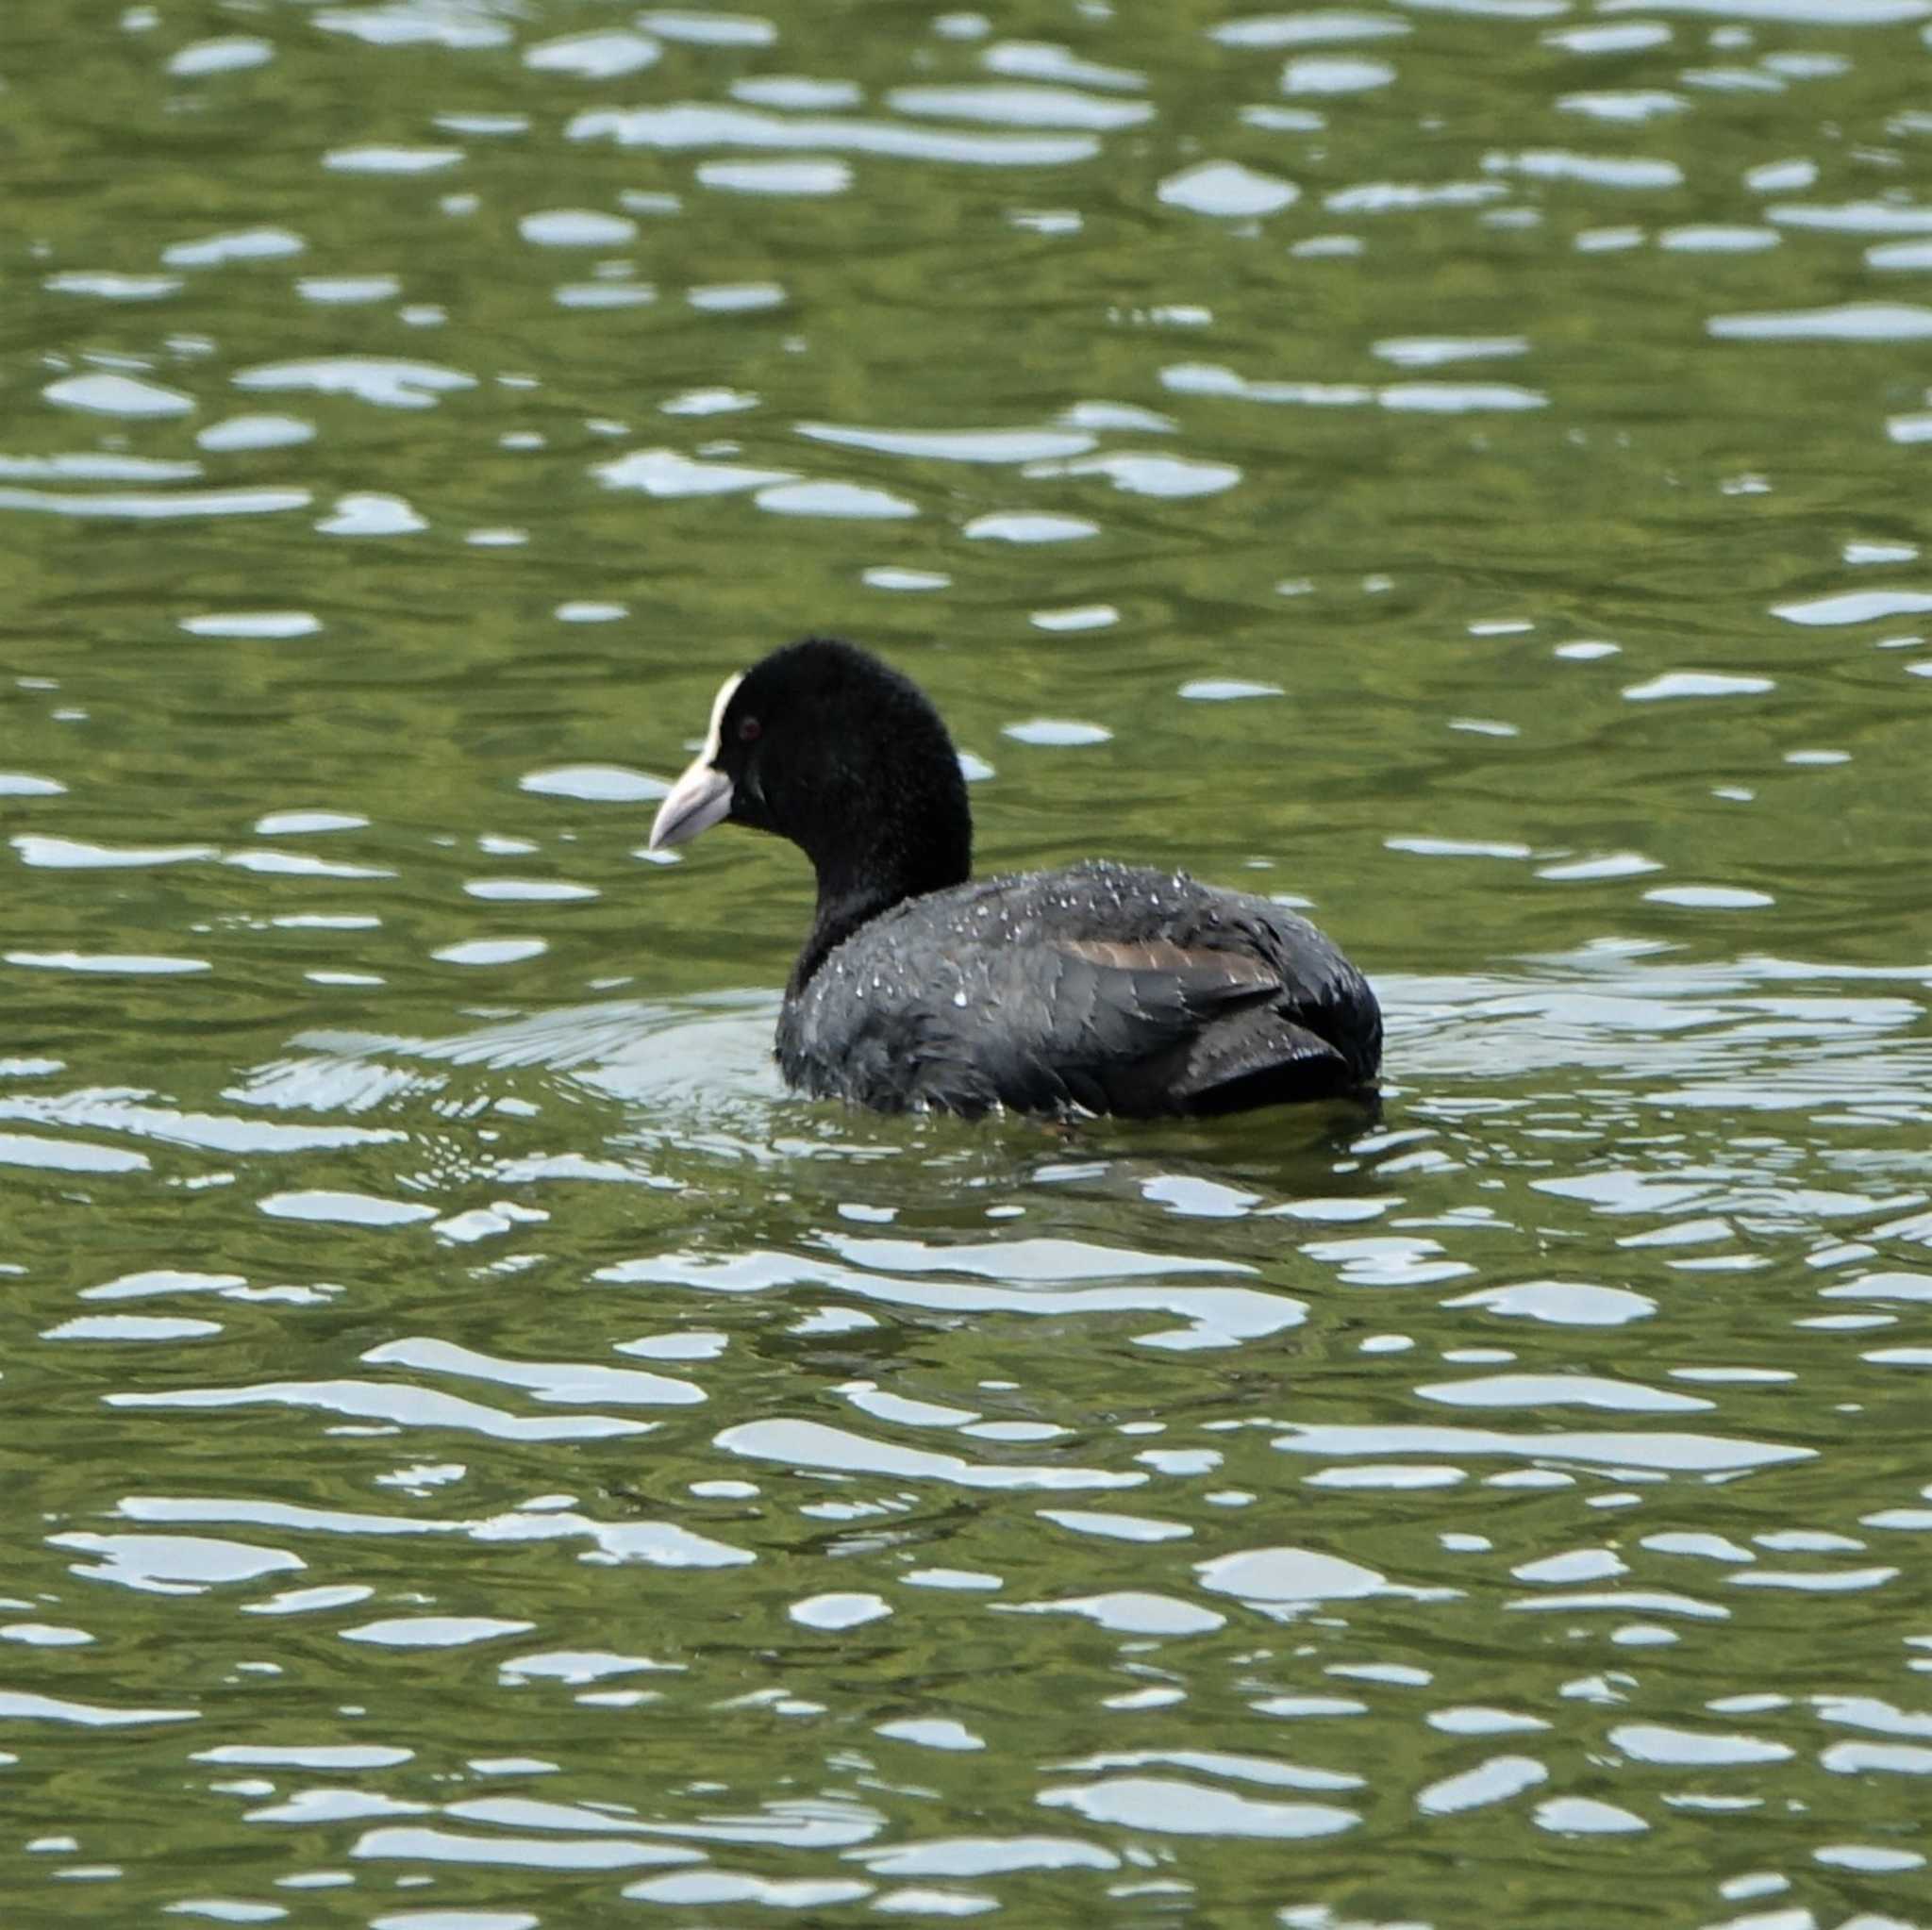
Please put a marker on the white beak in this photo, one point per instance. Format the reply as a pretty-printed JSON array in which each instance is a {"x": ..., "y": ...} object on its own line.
[{"x": 702, "y": 797}]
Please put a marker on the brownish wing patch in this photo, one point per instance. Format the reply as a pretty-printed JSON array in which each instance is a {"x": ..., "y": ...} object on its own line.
[{"x": 1160, "y": 955}]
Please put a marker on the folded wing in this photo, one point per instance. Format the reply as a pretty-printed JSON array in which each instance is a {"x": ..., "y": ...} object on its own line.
[{"x": 1133, "y": 1028}]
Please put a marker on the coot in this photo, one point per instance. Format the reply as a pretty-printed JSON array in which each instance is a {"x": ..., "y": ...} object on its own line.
[{"x": 1102, "y": 987}]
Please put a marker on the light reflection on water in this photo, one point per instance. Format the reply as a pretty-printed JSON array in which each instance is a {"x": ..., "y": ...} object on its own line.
[{"x": 492, "y": 1458}]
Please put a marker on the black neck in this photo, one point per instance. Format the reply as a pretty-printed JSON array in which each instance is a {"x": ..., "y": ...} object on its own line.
[
  {"x": 851, "y": 895},
  {"x": 837, "y": 917}
]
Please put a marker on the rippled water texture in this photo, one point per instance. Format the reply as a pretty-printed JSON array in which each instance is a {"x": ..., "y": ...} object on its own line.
[{"x": 479, "y": 1455}]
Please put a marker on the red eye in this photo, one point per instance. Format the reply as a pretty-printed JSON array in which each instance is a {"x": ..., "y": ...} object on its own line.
[{"x": 748, "y": 729}]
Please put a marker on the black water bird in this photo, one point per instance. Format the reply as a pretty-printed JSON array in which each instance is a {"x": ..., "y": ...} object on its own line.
[{"x": 1101, "y": 987}]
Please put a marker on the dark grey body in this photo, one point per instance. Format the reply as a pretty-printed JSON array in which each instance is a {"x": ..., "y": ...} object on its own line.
[{"x": 1099, "y": 989}]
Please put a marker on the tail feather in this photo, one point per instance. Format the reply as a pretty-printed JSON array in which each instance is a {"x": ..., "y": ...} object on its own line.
[{"x": 1261, "y": 1058}]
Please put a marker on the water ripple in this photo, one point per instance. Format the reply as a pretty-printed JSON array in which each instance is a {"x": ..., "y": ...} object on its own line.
[
  {"x": 700, "y": 125},
  {"x": 397, "y": 1403},
  {"x": 810, "y": 1445}
]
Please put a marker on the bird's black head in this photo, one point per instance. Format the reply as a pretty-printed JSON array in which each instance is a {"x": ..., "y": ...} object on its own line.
[{"x": 823, "y": 744}]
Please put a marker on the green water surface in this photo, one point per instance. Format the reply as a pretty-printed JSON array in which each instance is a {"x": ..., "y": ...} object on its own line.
[{"x": 477, "y": 1455}]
